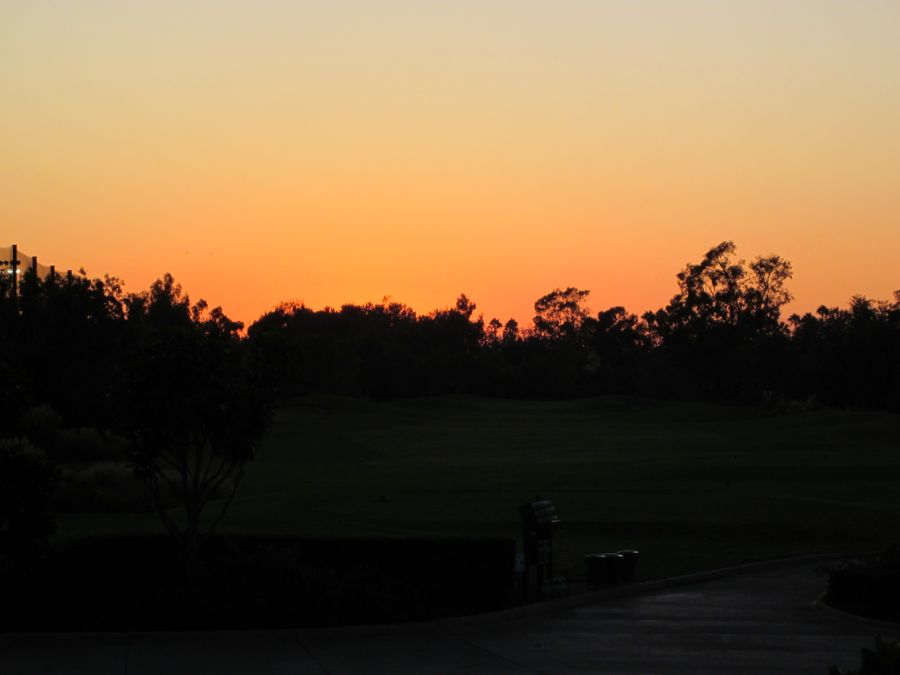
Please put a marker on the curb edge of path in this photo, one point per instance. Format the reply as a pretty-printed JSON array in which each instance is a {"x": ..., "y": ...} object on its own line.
[
  {"x": 840, "y": 615},
  {"x": 600, "y": 594},
  {"x": 546, "y": 607}
]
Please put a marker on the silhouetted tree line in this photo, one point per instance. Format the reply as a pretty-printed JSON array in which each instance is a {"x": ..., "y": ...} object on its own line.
[
  {"x": 722, "y": 336},
  {"x": 187, "y": 392}
]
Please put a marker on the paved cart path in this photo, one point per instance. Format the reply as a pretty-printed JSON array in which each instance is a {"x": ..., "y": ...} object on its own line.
[{"x": 753, "y": 622}]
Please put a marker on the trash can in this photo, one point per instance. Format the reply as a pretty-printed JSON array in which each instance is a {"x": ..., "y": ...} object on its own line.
[
  {"x": 594, "y": 570},
  {"x": 603, "y": 569},
  {"x": 612, "y": 567},
  {"x": 629, "y": 565}
]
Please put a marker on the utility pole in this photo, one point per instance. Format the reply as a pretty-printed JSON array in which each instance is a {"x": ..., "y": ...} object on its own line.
[{"x": 15, "y": 274}]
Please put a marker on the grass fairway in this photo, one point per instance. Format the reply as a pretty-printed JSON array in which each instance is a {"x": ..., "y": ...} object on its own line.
[{"x": 691, "y": 486}]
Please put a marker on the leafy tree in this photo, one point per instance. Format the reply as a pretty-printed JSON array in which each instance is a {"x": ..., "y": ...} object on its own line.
[
  {"x": 510, "y": 332},
  {"x": 493, "y": 332},
  {"x": 560, "y": 313},
  {"x": 848, "y": 356},
  {"x": 720, "y": 290},
  {"x": 617, "y": 341},
  {"x": 766, "y": 293},
  {"x": 464, "y": 306},
  {"x": 191, "y": 410},
  {"x": 67, "y": 339},
  {"x": 448, "y": 342},
  {"x": 721, "y": 336}
]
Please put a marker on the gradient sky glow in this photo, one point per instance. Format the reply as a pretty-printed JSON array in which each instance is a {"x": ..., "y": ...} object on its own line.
[{"x": 342, "y": 151}]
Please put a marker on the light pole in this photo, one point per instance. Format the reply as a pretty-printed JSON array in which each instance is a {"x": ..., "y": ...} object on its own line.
[{"x": 13, "y": 264}]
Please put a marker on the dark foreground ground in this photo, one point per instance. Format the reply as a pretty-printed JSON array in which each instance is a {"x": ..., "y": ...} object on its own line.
[{"x": 755, "y": 622}]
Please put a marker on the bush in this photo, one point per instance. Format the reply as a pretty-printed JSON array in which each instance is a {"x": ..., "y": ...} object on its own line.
[
  {"x": 88, "y": 444},
  {"x": 10, "y": 397},
  {"x": 111, "y": 487},
  {"x": 136, "y": 583},
  {"x": 103, "y": 487},
  {"x": 868, "y": 587},
  {"x": 40, "y": 424},
  {"x": 885, "y": 660},
  {"x": 26, "y": 483}
]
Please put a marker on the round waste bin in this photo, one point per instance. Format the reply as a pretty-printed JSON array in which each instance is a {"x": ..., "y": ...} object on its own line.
[
  {"x": 629, "y": 565},
  {"x": 612, "y": 567},
  {"x": 603, "y": 569},
  {"x": 593, "y": 566}
]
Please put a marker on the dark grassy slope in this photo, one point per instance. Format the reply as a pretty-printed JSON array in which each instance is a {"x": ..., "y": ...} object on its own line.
[{"x": 692, "y": 486}]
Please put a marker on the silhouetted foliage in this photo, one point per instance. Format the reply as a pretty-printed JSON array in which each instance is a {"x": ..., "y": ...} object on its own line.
[
  {"x": 170, "y": 375},
  {"x": 883, "y": 660},
  {"x": 188, "y": 406},
  {"x": 67, "y": 338},
  {"x": 848, "y": 357},
  {"x": 26, "y": 481},
  {"x": 617, "y": 342},
  {"x": 376, "y": 350},
  {"x": 720, "y": 337},
  {"x": 560, "y": 314},
  {"x": 41, "y": 424},
  {"x": 69, "y": 344}
]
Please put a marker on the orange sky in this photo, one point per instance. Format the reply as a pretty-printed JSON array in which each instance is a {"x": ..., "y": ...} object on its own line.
[{"x": 342, "y": 151}]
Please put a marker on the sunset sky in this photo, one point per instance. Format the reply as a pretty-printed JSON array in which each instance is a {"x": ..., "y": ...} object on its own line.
[{"x": 339, "y": 151}]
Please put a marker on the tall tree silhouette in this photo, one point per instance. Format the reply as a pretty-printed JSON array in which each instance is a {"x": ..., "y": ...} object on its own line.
[
  {"x": 617, "y": 341},
  {"x": 849, "y": 356},
  {"x": 560, "y": 313},
  {"x": 721, "y": 336},
  {"x": 191, "y": 410}
]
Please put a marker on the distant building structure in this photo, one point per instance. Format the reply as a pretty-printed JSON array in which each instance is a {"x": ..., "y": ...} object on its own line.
[{"x": 14, "y": 260}]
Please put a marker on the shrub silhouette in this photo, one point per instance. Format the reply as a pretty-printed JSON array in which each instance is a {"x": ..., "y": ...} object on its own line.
[{"x": 26, "y": 483}]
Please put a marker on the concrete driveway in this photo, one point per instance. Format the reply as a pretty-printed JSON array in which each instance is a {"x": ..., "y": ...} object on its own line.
[{"x": 758, "y": 621}]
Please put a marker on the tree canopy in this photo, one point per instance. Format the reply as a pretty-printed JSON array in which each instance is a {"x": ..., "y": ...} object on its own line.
[{"x": 721, "y": 336}]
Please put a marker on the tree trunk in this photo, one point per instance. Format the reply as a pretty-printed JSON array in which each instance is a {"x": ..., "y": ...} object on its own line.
[{"x": 192, "y": 552}]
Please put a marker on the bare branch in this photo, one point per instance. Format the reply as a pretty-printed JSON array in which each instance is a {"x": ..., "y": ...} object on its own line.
[{"x": 234, "y": 487}]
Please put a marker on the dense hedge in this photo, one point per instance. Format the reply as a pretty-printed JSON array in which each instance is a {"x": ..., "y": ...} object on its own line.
[{"x": 136, "y": 583}]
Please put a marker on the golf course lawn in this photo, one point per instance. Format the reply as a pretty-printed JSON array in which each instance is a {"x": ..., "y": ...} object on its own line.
[{"x": 692, "y": 486}]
